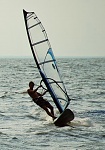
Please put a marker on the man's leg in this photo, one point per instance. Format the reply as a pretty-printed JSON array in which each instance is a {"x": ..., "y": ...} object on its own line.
[
  {"x": 49, "y": 113},
  {"x": 51, "y": 108}
]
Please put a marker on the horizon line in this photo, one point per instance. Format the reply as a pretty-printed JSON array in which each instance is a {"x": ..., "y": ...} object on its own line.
[{"x": 14, "y": 56}]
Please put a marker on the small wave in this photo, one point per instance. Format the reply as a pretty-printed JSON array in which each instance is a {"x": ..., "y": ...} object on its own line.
[
  {"x": 31, "y": 117},
  {"x": 1, "y": 133},
  {"x": 14, "y": 138},
  {"x": 98, "y": 112},
  {"x": 3, "y": 94},
  {"x": 86, "y": 122},
  {"x": 2, "y": 115}
]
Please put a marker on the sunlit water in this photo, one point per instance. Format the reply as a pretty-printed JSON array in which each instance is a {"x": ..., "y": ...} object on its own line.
[{"x": 23, "y": 125}]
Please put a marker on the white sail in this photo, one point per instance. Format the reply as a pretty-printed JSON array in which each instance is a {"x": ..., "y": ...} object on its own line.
[{"x": 45, "y": 60}]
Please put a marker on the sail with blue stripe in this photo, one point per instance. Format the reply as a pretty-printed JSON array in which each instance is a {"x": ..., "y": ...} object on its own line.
[{"x": 45, "y": 60}]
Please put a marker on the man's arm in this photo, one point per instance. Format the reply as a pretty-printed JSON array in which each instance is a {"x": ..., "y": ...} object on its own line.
[
  {"x": 44, "y": 92},
  {"x": 22, "y": 92},
  {"x": 37, "y": 88}
]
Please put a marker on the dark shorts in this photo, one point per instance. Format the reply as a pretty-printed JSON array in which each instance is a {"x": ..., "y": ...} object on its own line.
[{"x": 41, "y": 102}]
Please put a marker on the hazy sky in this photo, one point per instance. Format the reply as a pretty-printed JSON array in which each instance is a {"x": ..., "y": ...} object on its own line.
[{"x": 74, "y": 27}]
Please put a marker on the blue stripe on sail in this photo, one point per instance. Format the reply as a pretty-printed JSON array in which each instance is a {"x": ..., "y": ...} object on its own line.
[{"x": 51, "y": 53}]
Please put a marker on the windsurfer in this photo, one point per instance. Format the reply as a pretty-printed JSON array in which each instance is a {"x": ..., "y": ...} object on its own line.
[{"x": 38, "y": 99}]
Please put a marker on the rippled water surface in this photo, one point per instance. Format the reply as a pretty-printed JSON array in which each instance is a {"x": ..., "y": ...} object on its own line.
[{"x": 23, "y": 125}]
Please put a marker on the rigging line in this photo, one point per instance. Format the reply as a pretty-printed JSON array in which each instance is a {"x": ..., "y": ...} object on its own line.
[
  {"x": 42, "y": 85},
  {"x": 44, "y": 33},
  {"x": 56, "y": 81},
  {"x": 62, "y": 99},
  {"x": 59, "y": 87}
]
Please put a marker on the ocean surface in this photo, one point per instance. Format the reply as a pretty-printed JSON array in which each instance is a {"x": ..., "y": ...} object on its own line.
[{"x": 23, "y": 125}]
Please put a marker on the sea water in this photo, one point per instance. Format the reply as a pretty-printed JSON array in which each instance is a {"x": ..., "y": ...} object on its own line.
[{"x": 23, "y": 125}]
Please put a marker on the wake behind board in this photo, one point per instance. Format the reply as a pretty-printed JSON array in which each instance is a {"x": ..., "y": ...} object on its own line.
[{"x": 64, "y": 118}]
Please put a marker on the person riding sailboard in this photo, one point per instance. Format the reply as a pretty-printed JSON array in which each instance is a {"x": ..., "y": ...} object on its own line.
[
  {"x": 47, "y": 66},
  {"x": 39, "y": 100}
]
